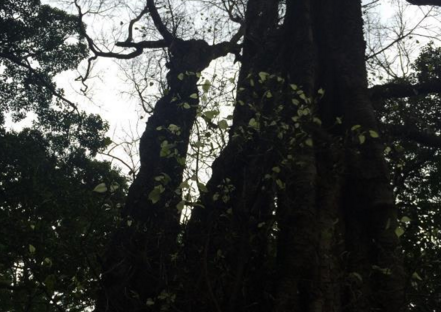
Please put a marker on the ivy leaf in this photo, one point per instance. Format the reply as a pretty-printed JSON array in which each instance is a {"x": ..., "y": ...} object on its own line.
[
  {"x": 211, "y": 114},
  {"x": 399, "y": 231},
  {"x": 49, "y": 282},
  {"x": 362, "y": 138},
  {"x": 253, "y": 123},
  {"x": 155, "y": 194},
  {"x": 373, "y": 134},
  {"x": 31, "y": 249},
  {"x": 405, "y": 219},
  {"x": 263, "y": 76},
  {"x": 276, "y": 169},
  {"x": 223, "y": 124},
  {"x": 202, "y": 187},
  {"x": 194, "y": 96},
  {"x": 416, "y": 276},
  {"x": 181, "y": 76},
  {"x": 206, "y": 86},
  {"x": 180, "y": 206}
]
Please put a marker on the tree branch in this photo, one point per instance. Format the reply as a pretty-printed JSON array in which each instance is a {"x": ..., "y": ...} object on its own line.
[
  {"x": 425, "y": 2},
  {"x": 168, "y": 37},
  {"x": 133, "y": 21},
  {"x": 398, "y": 90},
  {"x": 410, "y": 133},
  {"x": 223, "y": 48},
  {"x": 143, "y": 44}
]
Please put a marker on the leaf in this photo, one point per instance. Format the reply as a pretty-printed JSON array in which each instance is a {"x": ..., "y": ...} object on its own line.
[
  {"x": 194, "y": 96},
  {"x": 355, "y": 127},
  {"x": 362, "y": 138},
  {"x": 309, "y": 142},
  {"x": 321, "y": 92},
  {"x": 186, "y": 106},
  {"x": 373, "y": 134},
  {"x": 253, "y": 123},
  {"x": 276, "y": 169},
  {"x": 149, "y": 302},
  {"x": 155, "y": 194},
  {"x": 223, "y": 124},
  {"x": 269, "y": 94},
  {"x": 385, "y": 271},
  {"x": 387, "y": 224},
  {"x": 184, "y": 185},
  {"x": 416, "y": 276},
  {"x": 100, "y": 188},
  {"x": 357, "y": 275},
  {"x": 294, "y": 87},
  {"x": 405, "y": 219},
  {"x": 399, "y": 231},
  {"x": 317, "y": 120},
  {"x": 49, "y": 282},
  {"x": 181, "y": 76},
  {"x": 113, "y": 187},
  {"x": 263, "y": 76},
  {"x": 180, "y": 206},
  {"x": 129, "y": 223},
  {"x": 206, "y": 86},
  {"x": 31, "y": 249},
  {"x": 280, "y": 184},
  {"x": 202, "y": 187}
]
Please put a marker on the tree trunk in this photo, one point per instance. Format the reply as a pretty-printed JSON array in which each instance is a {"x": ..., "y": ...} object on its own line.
[
  {"x": 299, "y": 214},
  {"x": 139, "y": 264}
]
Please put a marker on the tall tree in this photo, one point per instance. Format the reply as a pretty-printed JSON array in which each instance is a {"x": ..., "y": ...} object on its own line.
[{"x": 299, "y": 214}]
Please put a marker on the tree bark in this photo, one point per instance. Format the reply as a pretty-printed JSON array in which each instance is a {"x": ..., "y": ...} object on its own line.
[{"x": 299, "y": 214}]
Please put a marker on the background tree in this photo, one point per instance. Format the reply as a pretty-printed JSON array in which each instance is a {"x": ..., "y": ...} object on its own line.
[{"x": 52, "y": 222}]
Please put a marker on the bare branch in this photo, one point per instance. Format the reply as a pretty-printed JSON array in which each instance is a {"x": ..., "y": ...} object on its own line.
[
  {"x": 143, "y": 44},
  {"x": 168, "y": 37},
  {"x": 133, "y": 21}
]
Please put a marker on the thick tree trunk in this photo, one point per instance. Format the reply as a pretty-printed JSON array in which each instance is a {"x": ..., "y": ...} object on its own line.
[
  {"x": 299, "y": 214},
  {"x": 335, "y": 216}
]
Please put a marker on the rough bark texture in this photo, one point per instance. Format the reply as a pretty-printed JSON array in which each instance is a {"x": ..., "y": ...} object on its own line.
[
  {"x": 299, "y": 214},
  {"x": 138, "y": 264}
]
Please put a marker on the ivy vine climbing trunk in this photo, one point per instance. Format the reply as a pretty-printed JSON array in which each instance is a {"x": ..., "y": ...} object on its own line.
[
  {"x": 139, "y": 263},
  {"x": 298, "y": 214}
]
